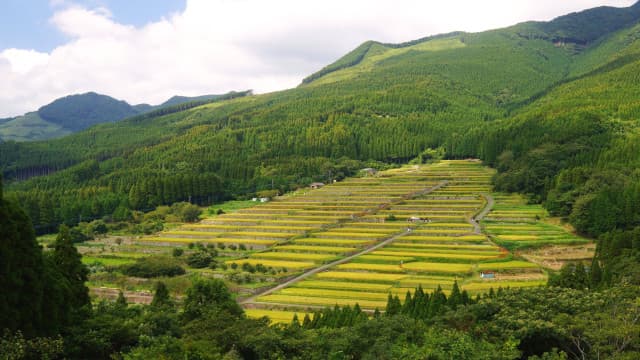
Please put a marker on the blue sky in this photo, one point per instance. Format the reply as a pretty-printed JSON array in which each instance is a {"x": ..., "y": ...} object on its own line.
[
  {"x": 26, "y": 25},
  {"x": 145, "y": 51}
]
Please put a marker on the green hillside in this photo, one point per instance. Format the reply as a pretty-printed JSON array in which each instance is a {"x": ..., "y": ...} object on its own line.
[
  {"x": 77, "y": 112},
  {"x": 28, "y": 127},
  {"x": 539, "y": 105}
]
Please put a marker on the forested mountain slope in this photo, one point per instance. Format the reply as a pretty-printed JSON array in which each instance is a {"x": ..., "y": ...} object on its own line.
[
  {"x": 77, "y": 112},
  {"x": 552, "y": 105},
  {"x": 64, "y": 116}
]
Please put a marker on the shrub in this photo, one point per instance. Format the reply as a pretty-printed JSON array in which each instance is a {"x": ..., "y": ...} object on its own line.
[
  {"x": 185, "y": 211},
  {"x": 153, "y": 266},
  {"x": 98, "y": 227},
  {"x": 261, "y": 268},
  {"x": 199, "y": 260},
  {"x": 148, "y": 227},
  {"x": 77, "y": 236},
  {"x": 177, "y": 252}
]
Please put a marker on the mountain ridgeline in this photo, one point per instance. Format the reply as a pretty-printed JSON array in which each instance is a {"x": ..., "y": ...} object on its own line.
[
  {"x": 78, "y": 112},
  {"x": 552, "y": 105}
]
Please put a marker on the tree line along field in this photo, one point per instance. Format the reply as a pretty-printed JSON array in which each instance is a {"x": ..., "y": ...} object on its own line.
[{"x": 301, "y": 231}]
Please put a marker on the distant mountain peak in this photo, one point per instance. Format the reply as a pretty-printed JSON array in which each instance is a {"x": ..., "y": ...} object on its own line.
[{"x": 80, "y": 111}]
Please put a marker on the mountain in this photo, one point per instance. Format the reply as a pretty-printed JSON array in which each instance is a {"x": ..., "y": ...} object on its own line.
[
  {"x": 175, "y": 100},
  {"x": 553, "y": 106},
  {"x": 65, "y": 116},
  {"x": 78, "y": 112},
  {"x": 30, "y": 126}
]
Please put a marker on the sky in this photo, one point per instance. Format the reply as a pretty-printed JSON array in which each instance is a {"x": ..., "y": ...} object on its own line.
[{"x": 145, "y": 51}]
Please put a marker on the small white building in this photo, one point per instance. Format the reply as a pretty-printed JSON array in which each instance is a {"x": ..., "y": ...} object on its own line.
[
  {"x": 369, "y": 171},
  {"x": 487, "y": 275},
  {"x": 316, "y": 185}
]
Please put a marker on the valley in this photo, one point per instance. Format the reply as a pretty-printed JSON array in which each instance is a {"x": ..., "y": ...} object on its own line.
[
  {"x": 468, "y": 195},
  {"x": 358, "y": 241}
]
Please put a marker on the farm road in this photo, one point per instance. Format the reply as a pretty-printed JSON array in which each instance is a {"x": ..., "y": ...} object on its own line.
[
  {"x": 476, "y": 220},
  {"x": 314, "y": 271}
]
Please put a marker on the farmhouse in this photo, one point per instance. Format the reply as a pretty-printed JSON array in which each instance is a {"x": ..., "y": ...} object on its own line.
[
  {"x": 417, "y": 219},
  {"x": 487, "y": 275},
  {"x": 316, "y": 185},
  {"x": 369, "y": 171}
]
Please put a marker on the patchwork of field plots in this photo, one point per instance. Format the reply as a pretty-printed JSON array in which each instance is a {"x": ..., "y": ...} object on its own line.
[
  {"x": 435, "y": 244},
  {"x": 514, "y": 224},
  {"x": 308, "y": 229}
]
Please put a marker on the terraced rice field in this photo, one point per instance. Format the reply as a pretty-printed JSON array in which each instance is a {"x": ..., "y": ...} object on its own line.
[
  {"x": 308, "y": 229},
  {"x": 433, "y": 241},
  {"x": 421, "y": 237},
  {"x": 515, "y": 224}
]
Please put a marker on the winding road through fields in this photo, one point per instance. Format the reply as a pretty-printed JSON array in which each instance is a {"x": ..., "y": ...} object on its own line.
[
  {"x": 475, "y": 221},
  {"x": 316, "y": 270}
]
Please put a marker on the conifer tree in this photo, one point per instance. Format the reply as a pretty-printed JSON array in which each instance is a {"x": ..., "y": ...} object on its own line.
[
  {"x": 393, "y": 305},
  {"x": 69, "y": 263},
  {"x": 295, "y": 322},
  {"x": 121, "y": 301},
  {"x": 595, "y": 275},
  {"x": 455, "y": 298},
  {"x": 376, "y": 313},
  {"x": 161, "y": 297},
  {"x": 306, "y": 322},
  {"x": 580, "y": 278},
  {"x": 407, "y": 306},
  {"x": 21, "y": 271}
]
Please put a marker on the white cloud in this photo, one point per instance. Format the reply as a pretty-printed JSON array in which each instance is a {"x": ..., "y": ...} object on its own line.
[
  {"x": 219, "y": 45},
  {"x": 23, "y": 61}
]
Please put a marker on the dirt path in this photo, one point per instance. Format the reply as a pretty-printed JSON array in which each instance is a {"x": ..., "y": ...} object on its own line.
[
  {"x": 475, "y": 221},
  {"x": 133, "y": 297},
  {"x": 314, "y": 271}
]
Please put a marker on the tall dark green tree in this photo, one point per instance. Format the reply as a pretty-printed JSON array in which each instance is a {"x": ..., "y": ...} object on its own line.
[
  {"x": 209, "y": 295},
  {"x": 595, "y": 274},
  {"x": 161, "y": 297},
  {"x": 69, "y": 263},
  {"x": 21, "y": 272}
]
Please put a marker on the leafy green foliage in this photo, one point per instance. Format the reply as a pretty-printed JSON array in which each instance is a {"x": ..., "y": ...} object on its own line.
[
  {"x": 153, "y": 266},
  {"x": 199, "y": 259}
]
